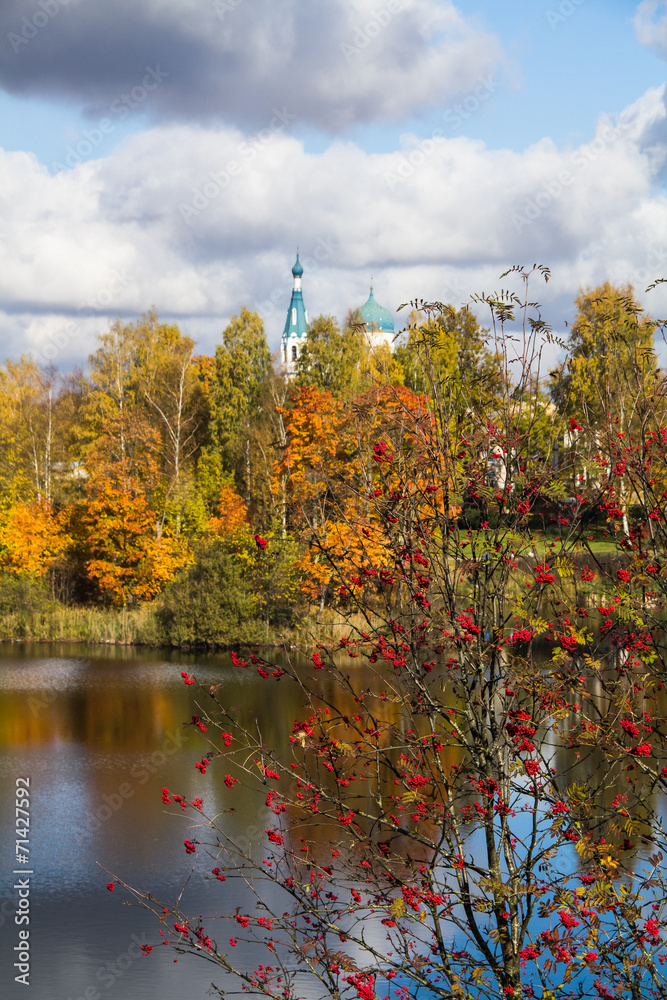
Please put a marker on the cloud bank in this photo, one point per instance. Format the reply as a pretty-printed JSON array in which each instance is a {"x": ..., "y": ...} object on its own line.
[
  {"x": 334, "y": 63},
  {"x": 198, "y": 221}
]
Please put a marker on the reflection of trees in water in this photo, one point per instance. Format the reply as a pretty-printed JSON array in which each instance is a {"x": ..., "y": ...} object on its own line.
[
  {"x": 364, "y": 745},
  {"x": 591, "y": 780},
  {"x": 612, "y": 797},
  {"x": 366, "y": 751}
]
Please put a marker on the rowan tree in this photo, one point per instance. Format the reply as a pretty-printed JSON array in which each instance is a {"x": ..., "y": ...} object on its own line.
[
  {"x": 465, "y": 805},
  {"x": 314, "y": 448},
  {"x": 32, "y": 538},
  {"x": 231, "y": 515}
]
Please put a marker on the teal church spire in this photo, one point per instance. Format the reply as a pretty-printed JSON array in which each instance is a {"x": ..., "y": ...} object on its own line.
[{"x": 296, "y": 322}]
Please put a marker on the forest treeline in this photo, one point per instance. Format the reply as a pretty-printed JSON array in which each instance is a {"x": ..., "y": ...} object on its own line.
[{"x": 204, "y": 488}]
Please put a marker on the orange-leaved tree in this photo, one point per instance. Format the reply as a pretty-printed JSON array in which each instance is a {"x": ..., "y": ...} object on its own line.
[
  {"x": 128, "y": 554},
  {"x": 33, "y": 537},
  {"x": 231, "y": 517},
  {"x": 314, "y": 447}
]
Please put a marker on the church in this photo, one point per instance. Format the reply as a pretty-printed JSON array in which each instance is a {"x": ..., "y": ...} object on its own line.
[{"x": 378, "y": 320}]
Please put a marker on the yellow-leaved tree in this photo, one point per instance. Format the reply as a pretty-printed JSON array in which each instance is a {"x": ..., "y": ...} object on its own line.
[{"x": 610, "y": 389}]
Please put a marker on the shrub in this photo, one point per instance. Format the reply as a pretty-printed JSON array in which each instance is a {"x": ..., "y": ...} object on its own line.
[{"x": 208, "y": 603}]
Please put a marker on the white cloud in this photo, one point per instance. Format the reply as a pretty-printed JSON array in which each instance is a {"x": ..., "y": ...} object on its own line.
[
  {"x": 651, "y": 30},
  {"x": 198, "y": 221}
]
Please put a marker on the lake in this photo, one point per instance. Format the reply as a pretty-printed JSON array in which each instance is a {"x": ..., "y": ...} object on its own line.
[{"x": 99, "y": 732}]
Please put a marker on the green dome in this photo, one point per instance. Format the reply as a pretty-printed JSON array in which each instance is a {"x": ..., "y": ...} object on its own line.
[{"x": 375, "y": 316}]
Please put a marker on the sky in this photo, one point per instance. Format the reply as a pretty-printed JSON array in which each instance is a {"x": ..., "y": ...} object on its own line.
[{"x": 175, "y": 153}]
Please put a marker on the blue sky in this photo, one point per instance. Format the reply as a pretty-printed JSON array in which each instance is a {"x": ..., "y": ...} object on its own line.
[{"x": 403, "y": 138}]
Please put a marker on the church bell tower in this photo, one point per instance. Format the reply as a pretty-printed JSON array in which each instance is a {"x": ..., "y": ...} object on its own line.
[{"x": 296, "y": 323}]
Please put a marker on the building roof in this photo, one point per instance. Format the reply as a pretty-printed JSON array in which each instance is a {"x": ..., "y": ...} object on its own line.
[
  {"x": 297, "y": 270},
  {"x": 296, "y": 321},
  {"x": 375, "y": 316}
]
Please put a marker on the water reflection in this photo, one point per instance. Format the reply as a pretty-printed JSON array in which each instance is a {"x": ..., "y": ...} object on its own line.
[{"x": 100, "y": 733}]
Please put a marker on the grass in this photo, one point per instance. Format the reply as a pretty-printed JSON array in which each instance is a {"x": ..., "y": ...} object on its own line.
[
  {"x": 57, "y": 622},
  {"x": 140, "y": 626},
  {"x": 544, "y": 546}
]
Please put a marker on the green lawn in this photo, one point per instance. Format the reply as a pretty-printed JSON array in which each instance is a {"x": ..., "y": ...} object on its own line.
[{"x": 544, "y": 546}]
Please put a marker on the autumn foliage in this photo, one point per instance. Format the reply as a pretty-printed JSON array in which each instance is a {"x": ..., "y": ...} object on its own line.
[
  {"x": 231, "y": 516},
  {"x": 127, "y": 555},
  {"x": 468, "y": 803},
  {"x": 32, "y": 537}
]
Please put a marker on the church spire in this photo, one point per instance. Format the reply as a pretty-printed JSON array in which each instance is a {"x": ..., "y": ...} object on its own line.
[{"x": 296, "y": 322}]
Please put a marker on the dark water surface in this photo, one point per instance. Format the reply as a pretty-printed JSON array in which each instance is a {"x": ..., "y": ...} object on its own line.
[{"x": 99, "y": 732}]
